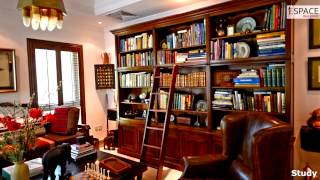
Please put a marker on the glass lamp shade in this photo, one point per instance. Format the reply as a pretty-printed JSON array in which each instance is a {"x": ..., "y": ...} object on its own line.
[
  {"x": 53, "y": 19},
  {"x": 26, "y": 19},
  {"x": 59, "y": 24},
  {"x": 35, "y": 18},
  {"x": 44, "y": 22}
]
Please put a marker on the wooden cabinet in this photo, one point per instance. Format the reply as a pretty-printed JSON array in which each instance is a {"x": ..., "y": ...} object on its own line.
[{"x": 180, "y": 143}]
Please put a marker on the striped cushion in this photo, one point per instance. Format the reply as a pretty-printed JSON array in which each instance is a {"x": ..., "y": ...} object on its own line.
[{"x": 65, "y": 121}]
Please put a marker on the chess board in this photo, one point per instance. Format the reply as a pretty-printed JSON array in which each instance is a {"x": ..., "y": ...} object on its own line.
[{"x": 104, "y": 76}]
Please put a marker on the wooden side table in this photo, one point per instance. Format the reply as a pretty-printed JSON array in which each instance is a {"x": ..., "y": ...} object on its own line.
[{"x": 111, "y": 140}]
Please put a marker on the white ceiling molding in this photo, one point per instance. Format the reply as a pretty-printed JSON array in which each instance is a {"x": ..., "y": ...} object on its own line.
[
  {"x": 180, "y": 10},
  {"x": 105, "y": 7}
]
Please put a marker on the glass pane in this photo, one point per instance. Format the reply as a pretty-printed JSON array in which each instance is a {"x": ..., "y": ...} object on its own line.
[
  {"x": 70, "y": 78},
  {"x": 46, "y": 70}
]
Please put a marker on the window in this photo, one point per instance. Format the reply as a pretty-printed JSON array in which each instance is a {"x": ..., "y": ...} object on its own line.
[{"x": 56, "y": 74}]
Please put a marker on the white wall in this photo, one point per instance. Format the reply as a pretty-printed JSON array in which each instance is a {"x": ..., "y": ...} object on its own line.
[
  {"x": 79, "y": 28},
  {"x": 304, "y": 101}
]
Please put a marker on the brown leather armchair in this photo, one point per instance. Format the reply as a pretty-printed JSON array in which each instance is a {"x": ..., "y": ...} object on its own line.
[{"x": 255, "y": 146}]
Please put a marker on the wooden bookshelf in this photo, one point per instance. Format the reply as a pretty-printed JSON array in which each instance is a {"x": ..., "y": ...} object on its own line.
[
  {"x": 206, "y": 139},
  {"x": 250, "y": 34},
  {"x": 137, "y": 51}
]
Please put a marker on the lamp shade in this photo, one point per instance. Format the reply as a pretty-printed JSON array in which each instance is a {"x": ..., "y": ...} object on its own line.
[{"x": 55, "y": 4}]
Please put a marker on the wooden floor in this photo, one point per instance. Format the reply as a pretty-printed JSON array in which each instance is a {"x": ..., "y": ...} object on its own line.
[{"x": 169, "y": 174}]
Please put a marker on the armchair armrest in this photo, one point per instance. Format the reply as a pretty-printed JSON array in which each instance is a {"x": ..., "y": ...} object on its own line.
[{"x": 208, "y": 166}]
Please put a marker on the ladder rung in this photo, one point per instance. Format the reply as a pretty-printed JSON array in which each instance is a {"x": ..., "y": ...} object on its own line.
[
  {"x": 155, "y": 128},
  {"x": 158, "y": 110},
  {"x": 151, "y": 146},
  {"x": 156, "y": 76}
]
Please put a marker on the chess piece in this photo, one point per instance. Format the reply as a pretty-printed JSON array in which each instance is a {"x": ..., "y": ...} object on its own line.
[{"x": 108, "y": 172}]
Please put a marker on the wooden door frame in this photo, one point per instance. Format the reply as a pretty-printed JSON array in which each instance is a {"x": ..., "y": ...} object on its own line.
[{"x": 33, "y": 44}]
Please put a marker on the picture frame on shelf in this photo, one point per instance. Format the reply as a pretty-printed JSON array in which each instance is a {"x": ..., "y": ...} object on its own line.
[
  {"x": 314, "y": 73},
  {"x": 8, "y": 81},
  {"x": 314, "y": 33}
]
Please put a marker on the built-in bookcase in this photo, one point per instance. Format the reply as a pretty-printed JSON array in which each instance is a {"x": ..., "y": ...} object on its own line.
[{"x": 220, "y": 72}]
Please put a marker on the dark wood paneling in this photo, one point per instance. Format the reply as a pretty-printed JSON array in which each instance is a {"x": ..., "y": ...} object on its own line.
[{"x": 195, "y": 144}]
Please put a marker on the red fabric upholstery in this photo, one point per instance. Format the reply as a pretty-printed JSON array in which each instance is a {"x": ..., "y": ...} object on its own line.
[
  {"x": 60, "y": 123},
  {"x": 65, "y": 121}
]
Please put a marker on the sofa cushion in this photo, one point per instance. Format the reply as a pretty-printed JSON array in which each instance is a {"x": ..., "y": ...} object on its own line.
[{"x": 65, "y": 121}]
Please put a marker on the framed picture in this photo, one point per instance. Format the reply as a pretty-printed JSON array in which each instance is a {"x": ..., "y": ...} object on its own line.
[
  {"x": 7, "y": 70},
  {"x": 104, "y": 75},
  {"x": 314, "y": 33},
  {"x": 314, "y": 73}
]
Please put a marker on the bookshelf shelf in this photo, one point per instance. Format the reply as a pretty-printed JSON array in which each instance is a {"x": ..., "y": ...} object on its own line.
[
  {"x": 246, "y": 35},
  {"x": 194, "y": 63},
  {"x": 252, "y": 88},
  {"x": 260, "y": 59},
  {"x": 186, "y": 48},
  {"x": 190, "y": 112},
  {"x": 137, "y": 50},
  {"x": 140, "y": 87},
  {"x": 135, "y": 69},
  {"x": 186, "y": 87},
  {"x": 232, "y": 110},
  {"x": 134, "y": 103}
]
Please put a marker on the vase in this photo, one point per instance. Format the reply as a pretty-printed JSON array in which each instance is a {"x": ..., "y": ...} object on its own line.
[{"x": 20, "y": 171}]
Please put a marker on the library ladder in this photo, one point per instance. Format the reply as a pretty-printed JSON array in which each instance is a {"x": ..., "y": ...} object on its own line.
[{"x": 165, "y": 128}]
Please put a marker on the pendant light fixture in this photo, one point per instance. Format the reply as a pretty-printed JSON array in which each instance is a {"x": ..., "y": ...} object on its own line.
[{"x": 43, "y": 14}]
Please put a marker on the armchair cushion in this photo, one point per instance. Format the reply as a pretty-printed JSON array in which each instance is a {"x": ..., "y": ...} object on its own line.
[
  {"x": 65, "y": 121},
  {"x": 205, "y": 166}
]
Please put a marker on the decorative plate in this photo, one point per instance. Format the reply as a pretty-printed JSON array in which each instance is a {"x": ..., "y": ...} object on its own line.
[
  {"x": 243, "y": 50},
  {"x": 246, "y": 24},
  {"x": 201, "y": 105}
]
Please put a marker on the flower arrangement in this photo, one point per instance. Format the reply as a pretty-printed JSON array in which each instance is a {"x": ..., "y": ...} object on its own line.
[{"x": 20, "y": 137}]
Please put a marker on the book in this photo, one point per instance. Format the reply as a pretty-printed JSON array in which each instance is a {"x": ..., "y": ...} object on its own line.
[{"x": 35, "y": 168}]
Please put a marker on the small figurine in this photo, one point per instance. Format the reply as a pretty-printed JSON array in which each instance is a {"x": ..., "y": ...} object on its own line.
[{"x": 54, "y": 157}]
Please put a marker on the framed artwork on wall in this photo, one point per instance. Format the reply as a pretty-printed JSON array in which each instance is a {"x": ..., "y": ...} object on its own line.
[
  {"x": 314, "y": 33},
  {"x": 104, "y": 75},
  {"x": 314, "y": 73},
  {"x": 7, "y": 70}
]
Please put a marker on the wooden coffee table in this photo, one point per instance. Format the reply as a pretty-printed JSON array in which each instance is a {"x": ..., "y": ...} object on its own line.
[{"x": 76, "y": 168}]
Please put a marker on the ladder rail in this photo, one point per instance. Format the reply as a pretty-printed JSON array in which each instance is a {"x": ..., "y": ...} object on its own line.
[{"x": 165, "y": 129}]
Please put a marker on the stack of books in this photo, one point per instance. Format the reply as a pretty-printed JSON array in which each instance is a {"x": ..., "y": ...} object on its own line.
[
  {"x": 136, "y": 59},
  {"x": 247, "y": 79},
  {"x": 35, "y": 168},
  {"x": 271, "y": 44},
  {"x": 194, "y": 35},
  {"x": 197, "y": 54},
  {"x": 141, "y": 41},
  {"x": 140, "y": 79},
  {"x": 78, "y": 151},
  {"x": 275, "y": 17},
  {"x": 183, "y": 101},
  {"x": 274, "y": 75},
  {"x": 222, "y": 99}
]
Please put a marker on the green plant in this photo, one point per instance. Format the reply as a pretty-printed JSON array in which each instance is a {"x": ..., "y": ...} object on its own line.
[{"x": 20, "y": 138}]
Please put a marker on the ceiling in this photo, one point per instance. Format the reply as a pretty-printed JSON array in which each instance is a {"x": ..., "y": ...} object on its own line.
[{"x": 140, "y": 8}]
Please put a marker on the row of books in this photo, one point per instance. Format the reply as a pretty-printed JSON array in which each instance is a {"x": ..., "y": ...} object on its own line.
[
  {"x": 247, "y": 78},
  {"x": 263, "y": 101},
  {"x": 136, "y": 59},
  {"x": 220, "y": 49},
  {"x": 271, "y": 43},
  {"x": 191, "y": 36},
  {"x": 275, "y": 17},
  {"x": 171, "y": 57},
  {"x": 78, "y": 151},
  {"x": 140, "y": 79},
  {"x": 141, "y": 41},
  {"x": 180, "y": 102},
  {"x": 194, "y": 79},
  {"x": 274, "y": 76}
]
